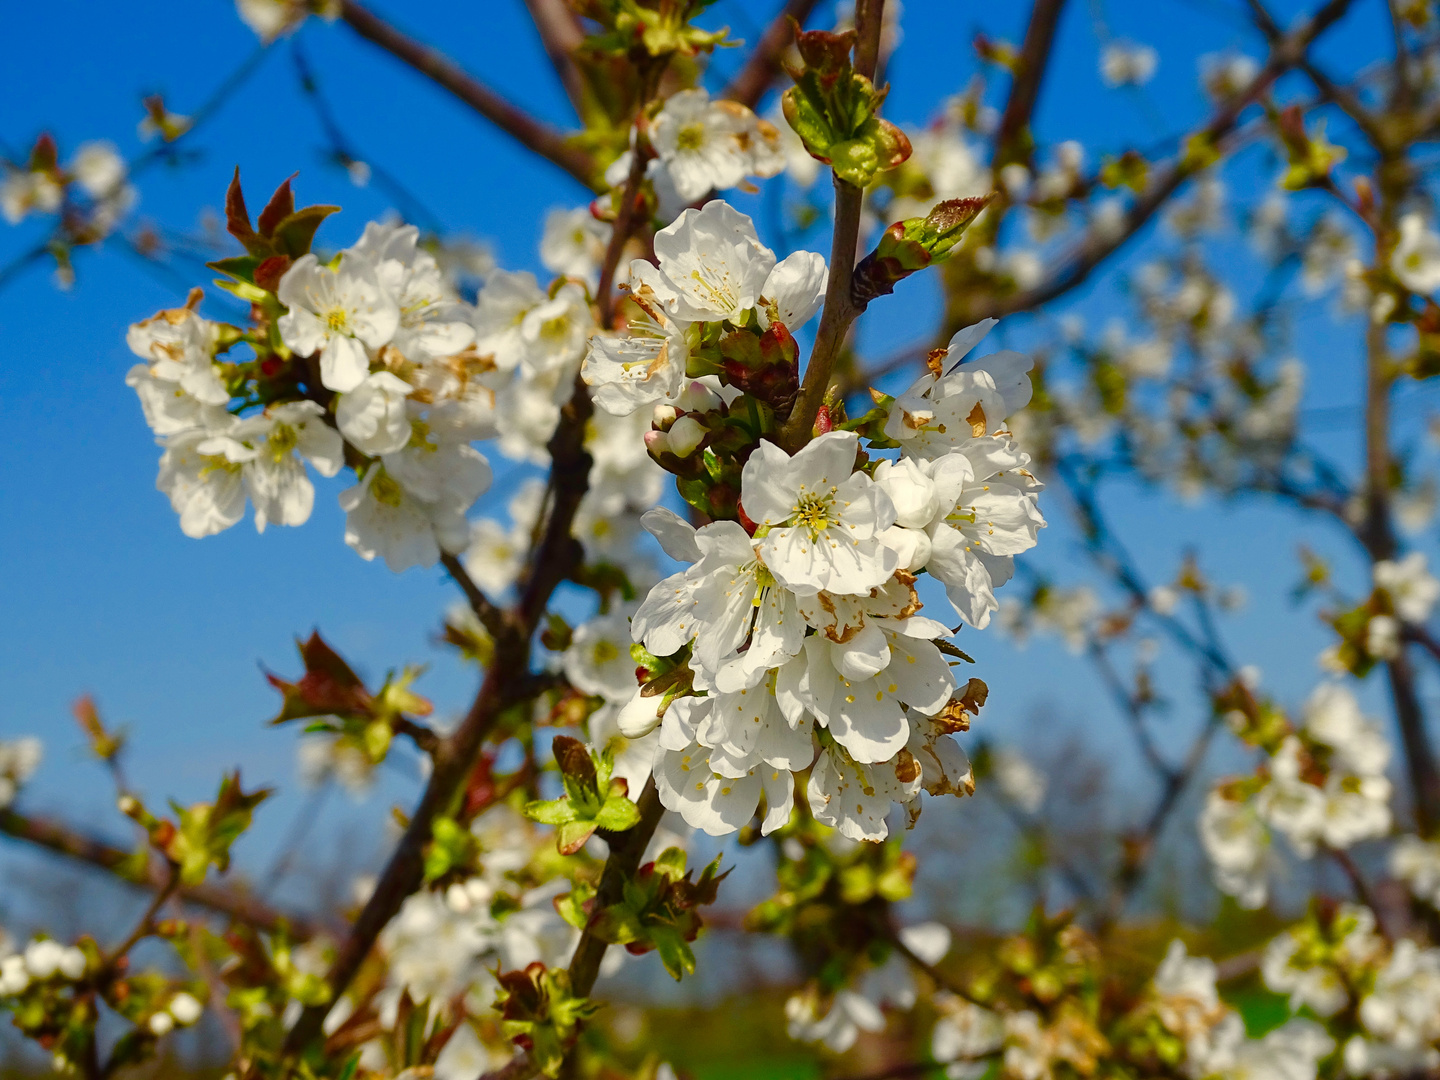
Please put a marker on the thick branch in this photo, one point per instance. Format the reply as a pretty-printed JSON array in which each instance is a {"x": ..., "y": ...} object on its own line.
[
  {"x": 764, "y": 63},
  {"x": 535, "y": 134},
  {"x": 63, "y": 840},
  {"x": 1012, "y": 142},
  {"x": 555, "y": 558}
]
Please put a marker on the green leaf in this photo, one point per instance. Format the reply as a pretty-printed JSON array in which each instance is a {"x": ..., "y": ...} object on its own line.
[
  {"x": 571, "y": 836},
  {"x": 552, "y": 812},
  {"x": 675, "y": 954},
  {"x": 296, "y": 232},
  {"x": 618, "y": 814},
  {"x": 239, "y": 267}
]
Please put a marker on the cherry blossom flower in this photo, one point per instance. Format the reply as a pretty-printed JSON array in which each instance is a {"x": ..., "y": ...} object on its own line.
[
  {"x": 822, "y": 521},
  {"x": 337, "y": 313}
]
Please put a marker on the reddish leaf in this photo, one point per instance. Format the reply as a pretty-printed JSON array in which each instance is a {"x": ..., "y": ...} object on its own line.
[
  {"x": 270, "y": 271},
  {"x": 237, "y": 218},
  {"x": 280, "y": 206}
]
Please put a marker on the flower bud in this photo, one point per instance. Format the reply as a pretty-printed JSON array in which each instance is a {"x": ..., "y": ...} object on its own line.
[
  {"x": 162, "y": 1023},
  {"x": 664, "y": 416},
  {"x": 685, "y": 435},
  {"x": 640, "y": 716},
  {"x": 72, "y": 964},
  {"x": 457, "y": 899},
  {"x": 657, "y": 442},
  {"x": 185, "y": 1008},
  {"x": 699, "y": 398}
]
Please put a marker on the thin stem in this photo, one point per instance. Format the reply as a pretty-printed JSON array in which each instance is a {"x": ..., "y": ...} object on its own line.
[
  {"x": 61, "y": 839},
  {"x": 486, "y": 610},
  {"x": 839, "y": 310},
  {"x": 938, "y": 977},
  {"x": 1363, "y": 892},
  {"x": 146, "y": 925},
  {"x": 1012, "y": 140}
]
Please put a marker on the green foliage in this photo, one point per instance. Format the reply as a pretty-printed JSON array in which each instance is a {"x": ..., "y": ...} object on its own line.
[
  {"x": 206, "y": 831},
  {"x": 658, "y": 911},
  {"x": 337, "y": 700},
  {"x": 540, "y": 1013},
  {"x": 592, "y": 799},
  {"x": 833, "y": 108}
]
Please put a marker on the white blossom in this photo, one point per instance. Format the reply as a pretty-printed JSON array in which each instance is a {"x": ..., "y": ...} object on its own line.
[
  {"x": 1416, "y": 259},
  {"x": 500, "y": 310},
  {"x": 271, "y": 448},
  {"x": 337, "y": 313},
  {"x": 372, "y": 415},
  {"x": 1125, "y": 63},
  {"x": 19, "y": 758},
  {"x": 822, "y": 521},
  {"x": 710, "y": 145},
  {"x": 1411, "y": 587},
  {"x": 574, "y": 244}
]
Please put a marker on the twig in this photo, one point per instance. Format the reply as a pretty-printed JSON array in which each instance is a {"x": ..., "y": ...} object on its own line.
[
  {"x": 63, "y": 840},
  {"x": 561, "y": 35},
  {"x": 839, "y": 311},
  {"x": 937, "y": 976},
  {"x": 1133, "y": 709},
  {"x": 490, "y": 615},
  {"x": 534, "y": 134},
  {"x": 1030, "y": 66},
  {"x": 1096, "y": 248},
  {"x": 147, "y": 920},
  {"x": 1363, "y": 893},
  {"x": 764, "y": 62}
]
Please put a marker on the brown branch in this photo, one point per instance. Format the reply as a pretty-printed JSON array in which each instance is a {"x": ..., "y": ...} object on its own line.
[
  {"x": 626, "y": 850},
  {"x": 556, "y": 555},
  {"x": 63, "y": 840},
  {"x": 1011, "y": 140},
  {"x": 561, "y": 35},
  {"x": 535, "y": 134},
  {"x": 840, "y": 310},
  {"x": 555, "y": 559},
  {"x": 1095, "y": 249},
  {"x": 486, "y": 610},
  {"x": 1376, "y": 532},
  {"x": 146, "y": 925},
  {"x": 766, "y": 60},
  {"x": 1342, "y": 96}
]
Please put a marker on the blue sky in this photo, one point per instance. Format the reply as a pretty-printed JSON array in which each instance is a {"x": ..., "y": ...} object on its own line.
[{"x": 100, "y": 592}]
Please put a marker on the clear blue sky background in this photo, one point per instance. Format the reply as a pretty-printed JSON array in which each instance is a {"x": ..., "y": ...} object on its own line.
[{"x": 100, "y": 592}]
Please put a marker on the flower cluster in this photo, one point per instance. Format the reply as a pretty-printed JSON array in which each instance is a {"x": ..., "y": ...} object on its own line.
[
  {"x": 801, "y": 617},
  {"x": 1322, "y": 785}
]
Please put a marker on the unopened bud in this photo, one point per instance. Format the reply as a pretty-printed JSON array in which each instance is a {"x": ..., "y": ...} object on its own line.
[
  {"x": 685, "y": 435},
  {"x": 699, "y": 398},
  {"x": 640, "y": 716},
  {"x": 657, "y": 442},
  {"x": 664, "y": 416}
]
